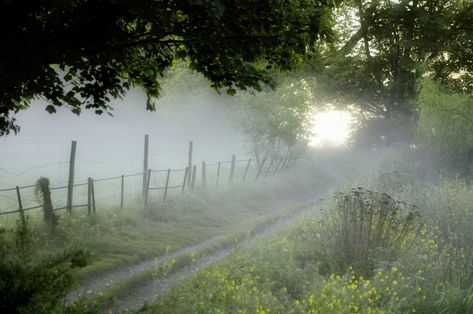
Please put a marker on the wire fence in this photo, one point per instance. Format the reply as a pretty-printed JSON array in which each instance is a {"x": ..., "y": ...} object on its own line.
[{"x": 146, "y": 187}]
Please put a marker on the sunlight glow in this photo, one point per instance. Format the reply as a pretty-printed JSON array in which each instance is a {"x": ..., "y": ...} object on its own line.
[{"x": 331, "y": 128}]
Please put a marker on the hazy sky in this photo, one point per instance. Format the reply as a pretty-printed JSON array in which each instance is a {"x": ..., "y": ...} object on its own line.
[{"x": 112, "y": 145}]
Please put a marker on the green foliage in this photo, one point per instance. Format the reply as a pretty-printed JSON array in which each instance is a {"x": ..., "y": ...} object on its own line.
[
  {"x": 43, "y": 194},
  {"x": 80, "y": 258},
  {"x": 364, "y": 228},
  {"x": 445, "y": 124},
  {"x": 82, "y": 53},
  {"x": 383, "y": 48},
  {"x": 375, "y": 133},
  {"x": 443, "y": 256},
  {"x": 32, "y": 283},
  {"x": 272, "y": 277},
  {"x": 245, "y": 281},
  {"x": 288, "y": 272},
  {"x": 277, "y": 122},
  {"x": 447, "y": 205},
  {"x": 122, "y": 236}
]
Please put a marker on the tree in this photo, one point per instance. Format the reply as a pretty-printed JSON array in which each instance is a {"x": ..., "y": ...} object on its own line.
[
  {"x": 277, "y": 122},
  {"x": 32, "y": 282},
  {"x": 80, "y": 53},
  {"x": 386, "y": 46},
  {"x": 445, "y": 124}
]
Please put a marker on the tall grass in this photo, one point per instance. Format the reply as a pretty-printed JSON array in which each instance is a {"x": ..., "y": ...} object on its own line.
[{"x": 366, "y": 252}]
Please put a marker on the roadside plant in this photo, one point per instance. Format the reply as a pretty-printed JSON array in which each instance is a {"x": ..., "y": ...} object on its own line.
[
  {"x": 365, "y": 228},
  {"x": 32, "y": 282}
]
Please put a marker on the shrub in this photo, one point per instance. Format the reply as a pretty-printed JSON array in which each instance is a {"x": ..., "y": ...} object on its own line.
[
  {"x": 31, "y": 283},
  {"x": 445, "y": 124},
  {"x": 365, "y": 228}
]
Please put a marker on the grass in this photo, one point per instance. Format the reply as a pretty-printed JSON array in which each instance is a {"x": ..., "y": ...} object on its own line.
[
  {"x": 108, "y": 296},
  {"x": 370, "y": 250},
  {"x": 287, "y": 273},
  {"x": 117, "y": 237}
]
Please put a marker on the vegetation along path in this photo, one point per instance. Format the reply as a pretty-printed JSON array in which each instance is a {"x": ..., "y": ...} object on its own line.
[
  {"x": 132, "y": 285},
  {"x": 129, "y": 287},
  {"x": 150, "y": 289}
]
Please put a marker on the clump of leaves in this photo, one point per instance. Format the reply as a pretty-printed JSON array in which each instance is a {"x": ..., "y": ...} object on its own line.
[
  {"x": 32, "y": 283},
  {"x": 43, "y": 194},
  {"x": 80, "y": 257},
  {"x": 365, "y": 228}
]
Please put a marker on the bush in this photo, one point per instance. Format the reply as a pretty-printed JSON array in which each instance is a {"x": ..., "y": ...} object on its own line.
[
  {"x": 31, "y": 283},
  {"x": 447, "y": 205},
  {"x": 365, "y": 228},
  {"x": 445, "y": 124}
]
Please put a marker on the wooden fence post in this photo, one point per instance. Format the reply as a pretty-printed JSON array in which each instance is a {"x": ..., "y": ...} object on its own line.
[
  {"x": 246, "y": 169},
  {"x": 42, "y": 190},
  {"x": 20, "y": 208},
  {"x": 167, "y": 184},
  {"x": 186, "y": 173},
  {"x": 145, "y": 164},
  {"x": 50, "y": 218},
  {"x": 284, "y": 164},
  {"x": 18, "y": 195},
  {"x": 94, "y": 208},
  {"x": 269, "y": 168},
  {"x": 260, "y": 169},
  {"x": 194, "y": 172},
  {"x": 232, "y": 169},
  {"x": 276, "y": 169},
  {"x": 289, "y": 161},
  {"x": 122, "y": 191},
  {"x": 147, "y": 187},
  {"x": 218, "y": 174},
  {"x": 70, "y": 184},
  {"x": 204, "y": 174},
  {"x": 89, "y": 196},
  {"x": 191, "y": 148}
]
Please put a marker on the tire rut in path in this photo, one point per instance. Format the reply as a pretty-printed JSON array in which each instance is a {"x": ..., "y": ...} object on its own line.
[
  {"x": 152, "y": 289},
  {"x": 100, "y": 282}
]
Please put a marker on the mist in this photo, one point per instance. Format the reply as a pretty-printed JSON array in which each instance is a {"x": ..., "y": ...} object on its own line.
[
  {"x": 302, "y": 157},
  {"x": 110, "y": 146}
]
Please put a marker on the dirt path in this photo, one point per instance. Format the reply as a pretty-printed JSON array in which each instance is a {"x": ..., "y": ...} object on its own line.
[
  {"x": 103, "y": 281},
  {"x": 100, "y": 282},
  {"x": 151, "y": 290}
]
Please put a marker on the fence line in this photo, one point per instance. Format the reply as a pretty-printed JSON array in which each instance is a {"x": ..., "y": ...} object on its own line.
[
  {"x": 7, "y": 190},
  {"x": 188, "y": 180}
]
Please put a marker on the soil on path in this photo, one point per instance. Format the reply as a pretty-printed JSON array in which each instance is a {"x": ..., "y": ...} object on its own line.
[{"x": 152, "y": 289}]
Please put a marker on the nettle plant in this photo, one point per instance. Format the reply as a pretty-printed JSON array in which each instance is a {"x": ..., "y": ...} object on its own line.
[{"x": 366, "y": 228}]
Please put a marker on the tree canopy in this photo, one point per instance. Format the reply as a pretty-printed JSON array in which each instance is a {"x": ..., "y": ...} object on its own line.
[
  {"x": 385, "y": 47},
  {"x": 277, "y": 122},
  {"x": 82, "y": 53},
  {"x": 445, "y": 125}
]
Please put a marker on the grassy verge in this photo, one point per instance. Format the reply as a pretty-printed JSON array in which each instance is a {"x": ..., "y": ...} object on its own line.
[
  {"x": 108, "y": 296},
  {"x": 170, "y": 266},
  {"x": 366, "y": 252},
  {"x": 118, "y": 237}
]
